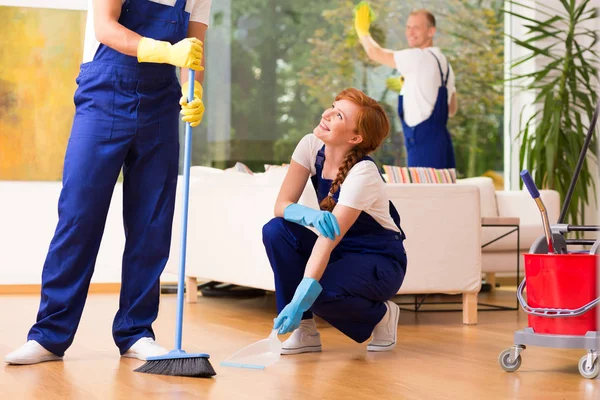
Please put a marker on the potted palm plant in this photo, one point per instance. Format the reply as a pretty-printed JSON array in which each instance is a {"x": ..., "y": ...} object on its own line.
[{"x": 565, "y": 87}]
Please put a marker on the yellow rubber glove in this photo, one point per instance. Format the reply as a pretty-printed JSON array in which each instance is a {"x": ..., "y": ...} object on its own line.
[
  {"x": 194, "y": 110},
  {"x": 186, "y": 53},
  {"x": 363, "y": 16},
  {"x": 395, "y": 83}
]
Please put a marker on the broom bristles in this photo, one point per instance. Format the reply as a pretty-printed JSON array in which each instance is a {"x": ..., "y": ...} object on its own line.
[{"x": 195, "y": 367}]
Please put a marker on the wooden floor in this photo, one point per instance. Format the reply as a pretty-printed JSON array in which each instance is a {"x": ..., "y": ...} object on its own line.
[{"x": 436, "y": 358}]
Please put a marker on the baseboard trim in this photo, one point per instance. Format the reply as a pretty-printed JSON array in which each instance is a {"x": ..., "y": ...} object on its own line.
[
  {"x": 36, "y": 288},
  {"x": 94, "y": 288}
]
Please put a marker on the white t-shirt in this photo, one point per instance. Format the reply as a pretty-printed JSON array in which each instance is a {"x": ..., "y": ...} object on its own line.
[
  {"x": 363, "y": 188},
  {"x": 422, "y": 81},
  {"x": 199, "y": 12}
]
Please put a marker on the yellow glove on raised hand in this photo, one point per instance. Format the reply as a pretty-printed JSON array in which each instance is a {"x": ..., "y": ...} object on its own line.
[
  {"x": 363, "y": 16},
  {"x": 186, "y": 53},
  {"x": 395, "y": 83},
  {"x": 194, "y": 110}
]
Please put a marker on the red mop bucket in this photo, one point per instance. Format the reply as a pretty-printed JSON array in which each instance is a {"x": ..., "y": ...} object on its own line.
[{"x": 561, "y": 291}]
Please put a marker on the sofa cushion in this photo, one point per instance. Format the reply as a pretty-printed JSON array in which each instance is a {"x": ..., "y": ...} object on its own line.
[
  {"x": 487, "y": 194},
  {"x": 240, "y": 167},
  {"x": 275, "y": 166},
  {"x": 201, "y": 170},
  {"x": 395, "y": 174}
]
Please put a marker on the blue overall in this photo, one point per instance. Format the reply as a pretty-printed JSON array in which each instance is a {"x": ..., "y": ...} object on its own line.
[
  {"x": 127, "y": 116},
  {"x": 365, "y": 269},
  {"x": 428, "y": 144}
]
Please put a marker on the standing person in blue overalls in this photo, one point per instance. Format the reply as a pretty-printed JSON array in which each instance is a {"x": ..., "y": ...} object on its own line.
[
  {"x": 127, "y": 107},
  {"x": 428, "y": 95},
  {"x": 349, "y": 272}
]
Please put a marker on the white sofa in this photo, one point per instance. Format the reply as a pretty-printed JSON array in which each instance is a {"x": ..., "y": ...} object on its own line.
[
  {"x": 228, "y": 210},
  {"x": 500, "y": 257}
]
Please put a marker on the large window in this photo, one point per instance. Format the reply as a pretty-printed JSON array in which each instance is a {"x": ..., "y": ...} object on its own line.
[{"x": 273, "y": 66}]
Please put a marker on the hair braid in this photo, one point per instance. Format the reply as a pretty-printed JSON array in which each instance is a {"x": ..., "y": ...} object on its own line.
[{"x": 354, "y": 155}]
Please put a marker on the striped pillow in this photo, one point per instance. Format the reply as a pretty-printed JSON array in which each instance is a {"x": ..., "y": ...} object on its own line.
[{"x": 419, "y": 175}]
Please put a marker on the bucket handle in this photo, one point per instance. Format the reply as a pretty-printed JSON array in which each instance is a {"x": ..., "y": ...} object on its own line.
[{"x": 553, "y": 312}]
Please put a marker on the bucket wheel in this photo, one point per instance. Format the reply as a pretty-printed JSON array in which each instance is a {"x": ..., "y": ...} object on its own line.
[
  {"x": 506, "y": 361},
  {"x": 588, "y": 366}
]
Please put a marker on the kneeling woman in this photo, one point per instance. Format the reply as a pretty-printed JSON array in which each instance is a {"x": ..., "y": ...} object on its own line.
[{"x": 347, "y": 274}]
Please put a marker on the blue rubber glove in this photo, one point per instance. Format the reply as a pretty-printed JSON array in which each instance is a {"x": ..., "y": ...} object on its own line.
[
  {"x": 289, "y": 318},
  {"x": 325, "y": 222}
]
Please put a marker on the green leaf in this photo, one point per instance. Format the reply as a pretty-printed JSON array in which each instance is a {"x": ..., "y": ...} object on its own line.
[
  {"x": 522, "y": 60},
  {"x": 538, "y": 51},
  {"x": 580, "y": 10}
]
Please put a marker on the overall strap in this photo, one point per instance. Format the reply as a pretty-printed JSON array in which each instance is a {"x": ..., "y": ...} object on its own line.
[
  {"x": 320, "y": 158},
  {"x": 447, "y": 74},
  {"x": 317, "y": 177},
  {"x": 180, "y": 4},
  {"x": 444, "y": 81}
]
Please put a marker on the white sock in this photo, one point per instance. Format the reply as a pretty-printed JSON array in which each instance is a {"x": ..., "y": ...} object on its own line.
[
  {"x": 309, "y": 326},
  {"x": 386, "y": 317}
]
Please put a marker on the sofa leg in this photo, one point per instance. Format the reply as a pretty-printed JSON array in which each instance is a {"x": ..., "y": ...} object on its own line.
[
  {"x": 490, "y": 277},
  {"x": 191, "y": 289},
  {"x": 469, "y": 310}
]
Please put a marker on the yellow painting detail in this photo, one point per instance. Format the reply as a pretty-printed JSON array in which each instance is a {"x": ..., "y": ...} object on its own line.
[{"x": 40, "y": 54}]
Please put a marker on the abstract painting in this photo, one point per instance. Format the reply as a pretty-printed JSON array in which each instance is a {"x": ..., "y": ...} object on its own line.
[{"x": 40, "y": 54}]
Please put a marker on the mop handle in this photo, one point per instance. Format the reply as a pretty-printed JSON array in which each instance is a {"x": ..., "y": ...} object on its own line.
[
  {"x": 582, "y": 155},
  {"x": 533, "y": 190},
  {"x": 184, "y": 215}
]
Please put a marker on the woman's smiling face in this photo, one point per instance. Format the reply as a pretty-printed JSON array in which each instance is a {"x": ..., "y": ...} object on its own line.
[{"x": 338, "y": 123}]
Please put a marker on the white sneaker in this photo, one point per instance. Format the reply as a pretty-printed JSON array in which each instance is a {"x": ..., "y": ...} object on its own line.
[
  {"x": 30, "y": 353},
  {"x": 144, "y": 348},
  {"x": 385, "y": 332},
  {"x": 305, "y": 339}
]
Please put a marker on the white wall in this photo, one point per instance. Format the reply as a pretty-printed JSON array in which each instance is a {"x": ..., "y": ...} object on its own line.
[
  {"x": 60, "y": 4},
  {"x": 28, "y": 217},
  {"x": 28, "y": 211}
]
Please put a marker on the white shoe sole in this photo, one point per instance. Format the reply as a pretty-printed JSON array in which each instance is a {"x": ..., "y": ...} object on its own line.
[
  {"x": 395, "y": 315},
  {"x": 137, "y": 356},
  {"x": 30, "y": 361},
  {"x": 303, "y": 349}
]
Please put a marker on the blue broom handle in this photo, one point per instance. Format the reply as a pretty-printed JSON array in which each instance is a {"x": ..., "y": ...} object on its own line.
[{"x": 184, "y": 215}]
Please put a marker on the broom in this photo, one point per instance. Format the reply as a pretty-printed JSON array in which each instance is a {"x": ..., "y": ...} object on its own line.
[{"x": 177, "y": 362}]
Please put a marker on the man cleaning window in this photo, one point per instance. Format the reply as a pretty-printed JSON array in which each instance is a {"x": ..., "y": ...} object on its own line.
[{"x": 428, "y": 95}]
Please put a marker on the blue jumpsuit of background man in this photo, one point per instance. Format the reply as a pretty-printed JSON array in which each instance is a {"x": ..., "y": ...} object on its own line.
[{"x": 428, "y": 144}]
